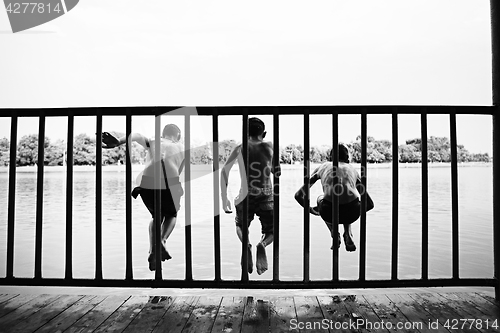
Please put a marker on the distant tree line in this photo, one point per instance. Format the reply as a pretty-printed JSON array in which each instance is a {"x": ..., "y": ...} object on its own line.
[{"x": 378, "y": 151}]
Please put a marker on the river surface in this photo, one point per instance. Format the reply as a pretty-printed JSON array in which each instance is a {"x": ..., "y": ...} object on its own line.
[{"x": 475, "y": 226}]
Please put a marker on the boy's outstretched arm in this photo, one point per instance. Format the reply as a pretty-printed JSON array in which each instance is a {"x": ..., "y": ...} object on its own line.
[
  {"x": 224, "y": 179},
  {"x": 300, "y": 195},
  {"x": 110, "y": 141},
  {"x": 361, "y": 189}
]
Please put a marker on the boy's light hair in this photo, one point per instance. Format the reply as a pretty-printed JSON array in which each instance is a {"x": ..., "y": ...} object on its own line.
[{"x": 171, "y": 130}]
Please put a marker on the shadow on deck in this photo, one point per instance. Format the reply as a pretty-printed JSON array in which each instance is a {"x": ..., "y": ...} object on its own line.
[{"x": 397, "y": 312}]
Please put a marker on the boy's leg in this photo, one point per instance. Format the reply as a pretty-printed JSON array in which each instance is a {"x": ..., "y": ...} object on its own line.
[
  {"x": 326, "y": 215},
  {"x": 147, "y": 197},
  {"x": 266, "y": 219},
  {"x": 152, "y": 242},
  {"x": 239, "y": 232},
  {"x": 348, "y": 241},
  {"x": 167, "y": 227},
  {"x": 169, "y": 207},
  {"x": 261, "y": 264},
  {"x": 267, "y": 239},
  {"x": 348, "y": 214}
]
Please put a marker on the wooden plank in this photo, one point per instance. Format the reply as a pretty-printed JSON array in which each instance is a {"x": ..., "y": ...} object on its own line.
[
  {"x": 95, "y": 317},
  {"x": 177, "y": 315},
  {"x": 309, "y": 315},
  {"x": 150, "y": 314},
  {"x": 335, "y": 312},
  {"x": 38, "y": 319},
  {"x": 72, "y": 314},
  {"x": 362, "y": 317},
  {"x": 481, "y": 304},
  {"x": 203, "y": 316},
  {"x": 415, "y": 313},
  {"x": 467, "y": 310},
  {"x": 441, "y": 312},
  {"x": 24, "y": 311},
  {"x": 230, "y": 315},
  {"x": 389, "y": 313},
  {"x": 282, "y": 314},
  {"x": 120, "y": 319},
  {"x": 489, "y": 297},
  {"x": 6, "y": 297},
  {"x": 255, "y": 316},
  {"x": 14, "y": 303}
]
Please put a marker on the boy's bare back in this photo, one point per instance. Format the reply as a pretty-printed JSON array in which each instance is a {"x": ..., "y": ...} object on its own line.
[{"x": 260, "y": 155}]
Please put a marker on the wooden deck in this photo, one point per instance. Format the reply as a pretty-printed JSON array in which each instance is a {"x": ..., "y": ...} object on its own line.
[{"x": 410, "y": 312}]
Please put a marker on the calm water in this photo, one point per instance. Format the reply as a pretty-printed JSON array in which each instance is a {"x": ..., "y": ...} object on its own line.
[{"x": 475, "y": 208}]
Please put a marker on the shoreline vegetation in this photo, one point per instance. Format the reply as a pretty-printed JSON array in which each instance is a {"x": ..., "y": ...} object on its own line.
[
  {"x": 377, "y": 152},
  {"x": 194, "y": 167}
]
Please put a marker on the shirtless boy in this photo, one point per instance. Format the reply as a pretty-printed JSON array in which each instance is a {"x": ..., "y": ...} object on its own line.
[
  {"x": 257, "y": 183},
  {"x": 171, "y": 164},
  {"x": 348, "y": 191}
]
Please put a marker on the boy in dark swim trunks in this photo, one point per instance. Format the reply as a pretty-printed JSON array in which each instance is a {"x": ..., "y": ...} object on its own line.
[
  {"x": 256, "y": 187},
  {"x": 348, "y": 190},
  {"x": 171, "y": 164}
]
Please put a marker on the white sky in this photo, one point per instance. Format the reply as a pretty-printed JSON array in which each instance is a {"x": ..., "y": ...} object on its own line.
[{"x": 337, "y": 52}]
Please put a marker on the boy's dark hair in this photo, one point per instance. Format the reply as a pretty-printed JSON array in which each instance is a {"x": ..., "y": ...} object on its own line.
[
  {"x": 343, "y": 153},
  {"x": 172, "y": 131},
  {"x": 255, "y": 126}
]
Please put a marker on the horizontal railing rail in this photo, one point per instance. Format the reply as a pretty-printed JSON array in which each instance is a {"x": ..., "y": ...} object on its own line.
[
  {"x": 253, "y": 110},
  {"x": 218, "y": 282}
]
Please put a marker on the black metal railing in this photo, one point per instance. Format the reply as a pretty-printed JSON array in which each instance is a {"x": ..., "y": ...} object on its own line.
[{"x": 244, "y": 282}]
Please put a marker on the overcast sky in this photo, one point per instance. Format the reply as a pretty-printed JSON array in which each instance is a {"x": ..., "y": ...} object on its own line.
[{"x": 361, "y": 52}]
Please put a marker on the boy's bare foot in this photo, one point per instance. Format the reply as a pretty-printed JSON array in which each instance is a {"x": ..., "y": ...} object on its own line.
[
  {"x": 152, "y": 262},
  {"x": 349, "y": 243},
  {"x": 164, "y": 254},
  {"x": 152, "y": 258},
  {"x": 250, "y": 259},
  {"x": 261, "y": 259},
  {"x": 339, "y": 241}
]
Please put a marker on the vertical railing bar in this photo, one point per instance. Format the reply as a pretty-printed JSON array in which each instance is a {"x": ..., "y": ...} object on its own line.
[
  {"x": 276, "y": 195},
  {"x": 307, "y": 219},
  {"x": 39, "y": 196},
  {"x": 362, "y": 245},
  {"x": 69, "y": 196},
  {"x": 98, "y": 197},
  {"x": 216, "y": 179},
  {"x": 496, "y": 194},
  {"x": 454, "y": 192},
  {"x": 336, "y": 201},
  {"x": 395, "y": 195},
  {"x": 425, "y": 197},
  {"x": 244, "y": 243},
  {"x": 495, "y": 60},
  {"x": 160, "y": 183},
  {"x": 187, "y": 194},
  {"x": 128, "y": 198},
  {"x": 12, "y": 196}
]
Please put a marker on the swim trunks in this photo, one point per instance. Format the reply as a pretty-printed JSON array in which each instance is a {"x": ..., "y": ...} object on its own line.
[
  {"x": 261, "y": 205},
  {"x": 348, "y": 213},
  {"x": 170, "y": 202}
]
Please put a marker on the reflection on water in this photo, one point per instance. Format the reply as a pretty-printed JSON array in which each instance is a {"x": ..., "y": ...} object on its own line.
[{"x": 475, "y": 221}]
